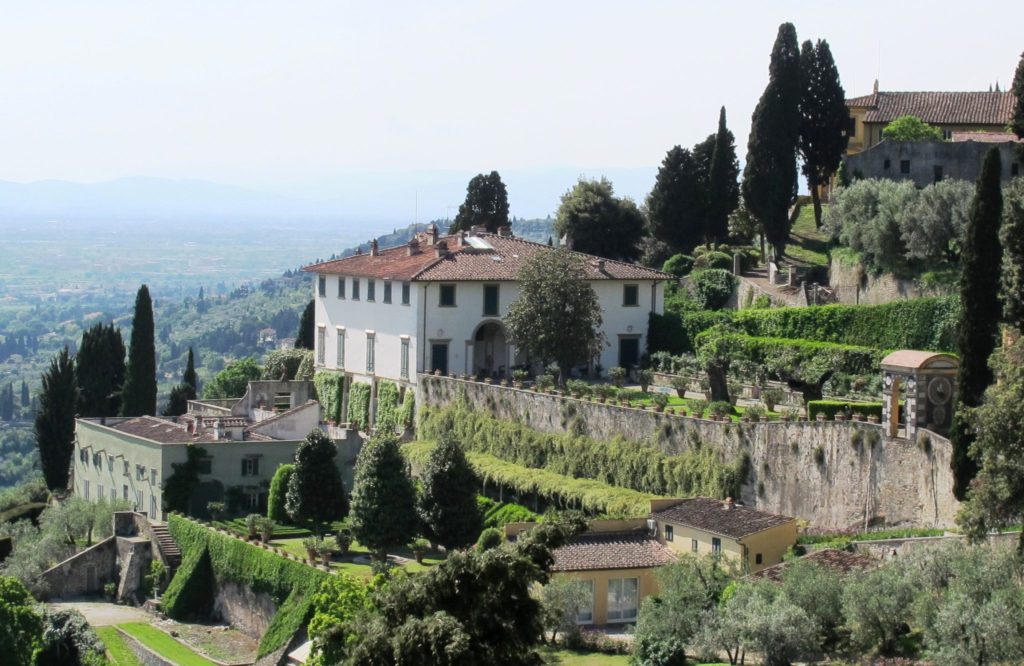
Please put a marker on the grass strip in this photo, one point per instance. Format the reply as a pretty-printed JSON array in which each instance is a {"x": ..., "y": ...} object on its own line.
[
  {"x": 164, "y": 645},
  {"x": 117, "y": 650}
]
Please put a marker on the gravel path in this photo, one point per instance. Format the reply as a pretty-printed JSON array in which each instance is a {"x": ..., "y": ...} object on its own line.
[{"x": 104, "y": 613}]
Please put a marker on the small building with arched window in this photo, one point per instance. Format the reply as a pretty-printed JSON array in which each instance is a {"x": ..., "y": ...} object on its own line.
[{"x": 918, "y": 391}]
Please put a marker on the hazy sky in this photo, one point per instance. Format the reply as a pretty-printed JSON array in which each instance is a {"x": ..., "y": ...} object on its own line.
[{"x": 290, "y": 94}]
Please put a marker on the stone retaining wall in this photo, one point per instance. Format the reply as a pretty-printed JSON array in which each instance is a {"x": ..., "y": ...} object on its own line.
[{"x": 835, "y": 475}]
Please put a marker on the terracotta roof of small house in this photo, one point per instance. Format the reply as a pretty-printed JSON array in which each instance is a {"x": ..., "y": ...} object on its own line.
[
  {"x": 611, "y": 550},
  {"x": 912, "y": 358},
  {"x": 481, "y": 257},
  {"x": 712, "y": 515},
  {"x": 841, "y": 562},
  {"x": 984, "y": 137},
  {"x": 973, "y": 108}
]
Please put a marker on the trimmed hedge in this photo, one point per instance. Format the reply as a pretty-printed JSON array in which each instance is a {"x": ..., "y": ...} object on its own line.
[
  {"x": 330, "y": 388},
  {"x": 626, "y": 464},
  {"x": 675, "y": 332},
  {"x": 387, "y": 405},
  {"x": 832, "y": 407},
  {"x": 359, "y": 404},
  {"x": 801, "y": 357},
  {"x": 291, "y": 584}
]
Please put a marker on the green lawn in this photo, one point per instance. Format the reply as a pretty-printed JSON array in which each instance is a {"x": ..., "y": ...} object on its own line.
[
  {"x": 808, "y": 245},
  {"x": 120, "y": 654},
  {"x": 294, "y": 546},
  {"x": 237, "y": 525},
  {"x": 688, "y": 403},
  {"x": 164, "y": 645},
  {"x": 574, "y": 658}
]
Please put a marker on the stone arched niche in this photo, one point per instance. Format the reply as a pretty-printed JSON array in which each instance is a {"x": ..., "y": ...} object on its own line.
[{"x": 926, "y": 383}]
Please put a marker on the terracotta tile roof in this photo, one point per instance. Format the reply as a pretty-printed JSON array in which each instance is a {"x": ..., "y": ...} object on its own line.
[
  {"x": 970, "y": 108},
  {"x": 711, "y": 515},
  {"x": 611, "y": 550},
  {"x": 985, "y": 137},
  {"x": 841, "y": 562},
  {"x": 158, "y": 430},
  {"x": 498, "y": 258}
]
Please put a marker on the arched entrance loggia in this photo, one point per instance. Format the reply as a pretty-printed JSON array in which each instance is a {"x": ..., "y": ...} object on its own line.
[{"x": 489, "y": 351}]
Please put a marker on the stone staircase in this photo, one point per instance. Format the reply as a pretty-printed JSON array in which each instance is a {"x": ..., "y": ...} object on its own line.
[{"x": 167, "y": 545}]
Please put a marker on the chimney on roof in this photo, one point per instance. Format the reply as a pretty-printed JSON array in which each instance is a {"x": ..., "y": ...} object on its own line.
[
  {"x": 414, "y": 246},
  {"x": 462, "y": 239},
  {"x": 875, "y": 89},
  {"x": 600, "y": 265},
  {"x": 374, "y": 250},
  {"x": 505, "y": 231},
  {"x": 442, "y": 248},
  {"x": 478, "y": 229},
  {"x": 728, "y": 504},
  {"x": 432, "y": 233}
]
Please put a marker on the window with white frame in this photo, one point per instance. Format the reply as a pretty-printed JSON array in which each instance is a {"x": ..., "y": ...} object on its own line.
[
  {"x": 152, "y": 475},
  {"x": 405, "y": 293},
  {"x": 113, "y": 493},
  {"x": 669, "y": 533},
  {"x": 371, "y": 340},
  {"x": 250, "y": 466},
  {"x": 100, "y": 491},
  {"x": 355, "y": 289},
  {"x": 340, "y": 363},
  {"x": 321, "y": 343},
  {"x": 585, "y": 615},
  {"x": 140, "y": 501},
  {"x": 623, "y": 597},
  {"x": 85, "y": 489},
  {"x": 127, "y": 468},
  {"x": 404, "y": 374},
  {"x": 252, "y": 500},
  {"x": 110, "y": 463},
  {"x": 321, "y": 285},
  {"x": 387, "y": 291},
  {"x": 125, "y": 495},
  {"x": 140, "y": 472},
  {"x": 371, "y": 290},
  {"x": 716, "y": 545},
  {"x": 341, "y": 287}
]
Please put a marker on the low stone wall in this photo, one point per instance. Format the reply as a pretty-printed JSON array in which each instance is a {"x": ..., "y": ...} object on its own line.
[
  {"x": 83, "y": 573},
  {"x": 887, "y": 548},
  {"x": 854, "y": 286},
  {"x": 245, "y": 610},
  {"x": 835, "y": 475}
]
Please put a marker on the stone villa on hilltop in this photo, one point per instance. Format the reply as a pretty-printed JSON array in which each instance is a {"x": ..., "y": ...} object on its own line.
[{"x": 437, "y": 303}]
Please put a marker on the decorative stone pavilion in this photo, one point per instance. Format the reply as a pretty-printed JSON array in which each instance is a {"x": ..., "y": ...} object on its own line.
[{"x": 927, "y": 382}]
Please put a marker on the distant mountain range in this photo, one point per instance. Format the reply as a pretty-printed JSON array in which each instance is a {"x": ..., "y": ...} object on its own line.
[{"x": 379, "y": 199}]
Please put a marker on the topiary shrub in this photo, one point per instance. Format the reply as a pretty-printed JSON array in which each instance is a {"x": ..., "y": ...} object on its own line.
[
  {"x": 490, "y": 538},
  {"x": 679, "y": 265},
  {"x": 278, "y": 492},
  {"x": 713, "y": 259},
  {"x": 712, "y": 287}
]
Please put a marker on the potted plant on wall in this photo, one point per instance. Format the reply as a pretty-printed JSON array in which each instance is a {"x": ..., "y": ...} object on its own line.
[
  {"x": 679, "y": 384},
  {"x": 216, "y": 510},
  {"x": 419, "y": 548},
  {"x": 325, "y": 549},
  {"x": 659, "y": 401},
  {"x": 310, "y": 544},
  {"x": 343, "y": 540},
  {"x": 252, "y": 525},
  {"x": 617, "y": 375},
  {"x": 645, "y": 377},
  {"x": 518, "y": 377}
]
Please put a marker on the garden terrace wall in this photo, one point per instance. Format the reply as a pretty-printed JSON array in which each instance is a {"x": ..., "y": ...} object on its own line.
[{"x": 835, "y": 475}]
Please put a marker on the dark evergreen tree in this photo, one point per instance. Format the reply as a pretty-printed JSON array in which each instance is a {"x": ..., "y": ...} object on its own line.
[
  {"x": 1017, "y": 120},
  {"x": 824, "y": 119},
  {"x": 980, "y": 312},
  {"x": 447, "y": 503},
  {"x": 597, "y": 222},
  {"x": 315, "y": 491},
  {"x": 138, "y": 397},
  {"x": 723, "y": 190},
  {"x": 304, "y": 338},
  {"x": 486, "y": 204},
  {"x": 1012, "y": 236},
  {"x": 99, "y": 366},
  {"x": 177, "y": 400},
  {"x": 770, "y": 176},
  {"x": 675, "y": 206},
  {"x": 383, "y": 498},
  {"x": 7, "y": 403},
  {"x": 25, "y": 399},
  {"x": 190, "y": 378},
  {"x": 55, "y": 420}
]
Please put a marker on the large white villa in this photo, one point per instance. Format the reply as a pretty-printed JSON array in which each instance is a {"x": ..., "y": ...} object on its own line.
[{"x": 437, "y": 303}]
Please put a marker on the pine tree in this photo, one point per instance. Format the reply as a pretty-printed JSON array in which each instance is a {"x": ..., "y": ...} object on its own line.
[
  {"x": 676, "y": 204},
  {"x": 447, "y": 504},
  {"x": 824, "y": 119},
  {"x": 770, "y": 176},
  {"x": 723, "y": 183},
  {"x": 383, "y": 498},
  {"x": 598, "y": 222},
  {"x": 138, "y": 397},
  {"x": 25, "y": 399},
  {"x": 1017, "y": 88},
  {"x": 304, "y": 337},
  {"x": 980, "y": 312},
  {"x": 100, "y": 369},
  {"x": 315, "y": 490},
  {"x": 486, "y": 204},
  {"x": 55, "y": 420}
]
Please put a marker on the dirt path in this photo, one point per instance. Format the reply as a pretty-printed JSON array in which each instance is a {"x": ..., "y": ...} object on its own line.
[{"x": 103, "y": 613}]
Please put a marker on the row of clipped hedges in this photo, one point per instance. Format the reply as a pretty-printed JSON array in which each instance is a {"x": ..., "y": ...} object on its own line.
[
  {"x": 585, "y": 494},
  {"x": 619, "y": 462},
  {"x": 832, "y": 407},
  {"x": 208, "y": 556},
  {"x": 797, "y": 356}
]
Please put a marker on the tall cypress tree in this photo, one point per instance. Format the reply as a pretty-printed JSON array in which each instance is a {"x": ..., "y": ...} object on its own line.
[
  {"x": 383, "y": 506},
  {"x": 824, "y": 119},
  {"x": 100, "y": 369},
  {"x": 304, "y": 337},
  {"x": 190, "y": 378},
  {"x": 675, "y": 205},
  {"x": 1017, "y": 120},
  {"x": 447, "y": 505},
  {"x": 723, "y": 183},
  {"x": 7, "y": 402},
  {"x": 1012, "y": 236},
  {"x": 770, "y": 176},
  {"x": 980, "y": 312},
  {"x": 55, "y": 420},
  {"x": 139, "y": 394},
  {"x": 25, "y": 399}
]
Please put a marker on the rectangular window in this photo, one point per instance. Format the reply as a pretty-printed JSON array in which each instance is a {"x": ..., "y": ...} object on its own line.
[
  {"x": 631, "y": 295},
  {"x": 139, "y": 501},
  {"x": 152, "y": 475},
  {"x": 693, "y": 545},
  {"x": 321, "y": 344},
  {"x": 387, "y": 292},
  {"x": 1015, "y": 169},
  {"x": 250, "y": 466},
  {"x": 100, "y": 491},
  {"x": 113, "y": 494},
  {"x": 355, "y": 289},
  {"x": 370, "y": 342},
  {"x": 110, "y": 463},
  {"x": 447, "y": 299},
  {"x": 491, "y": 300},
  {"x": 140, "y": 473},
  {"x": 205, "y": 467},
  {"x": 669, "y": 533},
  {"x": 716, "y": 545},
  {"x": 340, "y": 362},
  {"x": 321, "y": 285},
  {"x": 152, "y": 506},
  {"x": 405, "y": 293},
  {"x": 97, "y": 460},
  {"x": 886, "y": 164},
  {"x": 622, "y": 599},
  {"x": 341, "y": 287},
  {"x": 937, "y": 172},
  {"x": 371, "y": 290},
  {"x": 586, "y": 611},
  {"x": 125, "y": 490},
  {"x": 85, "y": 487},
  {"x": 126, "y": 470},
  {"x": 904, "y": 166},
  {"x": 759, "y": 558},
  {"x": 405, "y": 359},
  {"x": 252, "y": 500},
  {"x": 851, "y": 129}
]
